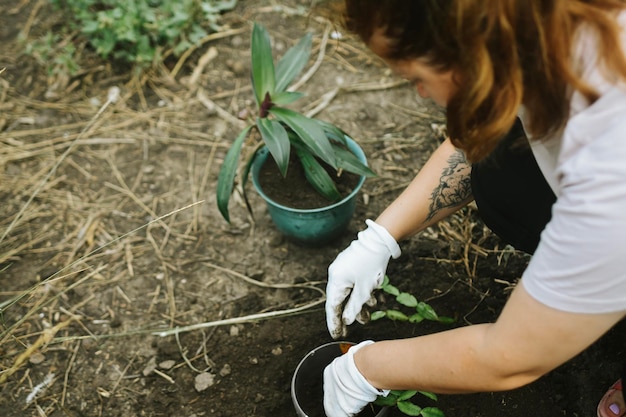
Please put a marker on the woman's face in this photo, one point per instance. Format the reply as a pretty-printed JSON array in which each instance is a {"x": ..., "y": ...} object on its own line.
[{"x": 429, "y": 82}]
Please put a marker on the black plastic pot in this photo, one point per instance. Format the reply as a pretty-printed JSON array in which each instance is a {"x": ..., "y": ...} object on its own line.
[{"x": 307, "y": 382}]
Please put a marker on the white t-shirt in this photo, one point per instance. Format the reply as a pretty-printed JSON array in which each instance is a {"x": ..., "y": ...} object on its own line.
[{"x": 580, "y": 263}]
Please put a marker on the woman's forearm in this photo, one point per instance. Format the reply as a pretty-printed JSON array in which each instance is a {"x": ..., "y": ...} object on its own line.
[
  {"x": 440, "y": 188},
  {"x": 528, "y": 340}
]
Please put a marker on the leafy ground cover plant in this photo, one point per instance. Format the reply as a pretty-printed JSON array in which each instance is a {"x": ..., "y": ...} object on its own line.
[
  {"x": 137, "y": 31},
  {"x": 402, "y": 400},
  {"x": 423, "y": 311},
  {"x": 280, "y": 129}
]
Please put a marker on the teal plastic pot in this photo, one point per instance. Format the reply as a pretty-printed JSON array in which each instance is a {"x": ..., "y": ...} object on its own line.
[
  {"x": 310, "y": 227},
  {"x": 307, "y": 382}
]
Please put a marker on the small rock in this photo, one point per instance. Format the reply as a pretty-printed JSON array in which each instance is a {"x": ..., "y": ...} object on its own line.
[
  {"x": 234, "y": 331},
  {"x": 36, "y": 358},
  {"x": 225, "y": 371},
  {"x": 204, "y": 381},
  {"x": 150, "y": 367},
  {"x": 237, "y": 41},
  {"x": 253, "y": 361},
  {"x": 169, "y": 364},
  {"x": 258, "y": 398},
  {"x": 276, "y": 240},
  {"x": 277, "y": 351}
]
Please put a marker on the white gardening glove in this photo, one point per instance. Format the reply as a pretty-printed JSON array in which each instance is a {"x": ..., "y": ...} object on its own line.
[
  {"x": 346, "y": 391},
  {"x": 356, "y": 272}
]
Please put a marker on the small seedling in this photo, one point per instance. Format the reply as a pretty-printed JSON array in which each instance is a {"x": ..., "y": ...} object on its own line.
[
  {"x": 423, "y": 311},
  {"x": 402, "y": 400}
]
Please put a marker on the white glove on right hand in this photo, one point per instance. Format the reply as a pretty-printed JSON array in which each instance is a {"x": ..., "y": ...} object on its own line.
[
  {"x": 355, "y": 273},
  {"x": 346, "y": 391}
]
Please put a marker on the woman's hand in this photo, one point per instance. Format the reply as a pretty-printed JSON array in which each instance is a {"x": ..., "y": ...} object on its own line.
[
  {"x": 346, "y": 391},
  {"x": 354, "y": 275}
]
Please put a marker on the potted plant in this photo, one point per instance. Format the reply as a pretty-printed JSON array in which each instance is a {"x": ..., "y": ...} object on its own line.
[{"x": 296, "y": 143}]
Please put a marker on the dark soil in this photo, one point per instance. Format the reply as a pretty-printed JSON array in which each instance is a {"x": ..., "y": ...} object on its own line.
[
  {"x": 124, "y": 240},
  {"x": 295, "y": 191}
]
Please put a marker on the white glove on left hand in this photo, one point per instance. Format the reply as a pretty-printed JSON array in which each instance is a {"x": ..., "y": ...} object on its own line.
[{"x": 346, "y": 391}]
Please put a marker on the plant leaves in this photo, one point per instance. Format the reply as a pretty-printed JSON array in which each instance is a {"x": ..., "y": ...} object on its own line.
[
  {"x": 446, "y": 320},
  {"x": 388, "y": 401},
  {"x": 275, "y": 138},
  {"x": 397, "y": 315},
  {"x": 409, "y": 408},
  {"x": 406, "y": 299},
  {"x": 286, "y": 97},
  {"x": 333, "y": 131},
  {"x": 390, "y": 289},
  {"x": 292, "y": 63},
  {"x": 377, "y": 315},
  {"x": 430, "y": 395},
  {"x": 405, "y": 395},
  {"x": 432, "y": 412},
  {"x": 348, "y": 161},
  {"x": 318, "y": 176},
  {"x": 263, "y": 76},
  {"x": 385, "y": 281},
  {"x": 427, "y": 311},
  {"x": 416, "y": 318},
  {"x": 228, "y": 170},
  {"x": 309, "y": 131}
]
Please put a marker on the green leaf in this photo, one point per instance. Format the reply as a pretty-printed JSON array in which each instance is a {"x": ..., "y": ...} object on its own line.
[
  {"x": 348, "y": 161},
  {"x": 396, "y": 315},
  {"x": 405, "y": 395},
  {"x": 292, "y": 63},
  {"x": 309, "y": 131},
  {"x": 388, "y": 401},
  {"x": 416, "y": 318},
  {"x": 333, "y": 131},
  {"x": 430, "y": 395},
  {"x": 377, "y": 315},
  {"x": 263, "y": 76},
  {"x": 275, "y": 138},
  {"x": 409, "y": 408},
  {"x": 248, "y": 167},
  {"x": 427, "y": 311},
  {"x": 390, "y": 289},
  {"x": 228, "y": 170},
  {"x": 406, "y": 299},
  {"x": 385, "y": 281},
  {"x": 286, "y": 97},
  {"x": 446, "y": 320},
  {"x": 317, "y": 176},
  {"x": 432, "y": 412}
]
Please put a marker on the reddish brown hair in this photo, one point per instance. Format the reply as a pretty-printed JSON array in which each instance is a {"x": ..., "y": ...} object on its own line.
[{"x": 505, "y": 52}]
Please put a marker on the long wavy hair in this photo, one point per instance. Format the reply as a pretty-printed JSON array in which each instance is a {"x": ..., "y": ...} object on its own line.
[{"x": 505, "y": 53}]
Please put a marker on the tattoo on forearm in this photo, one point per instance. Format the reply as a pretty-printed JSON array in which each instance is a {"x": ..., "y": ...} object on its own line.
[{"x": 454, "y": 187}]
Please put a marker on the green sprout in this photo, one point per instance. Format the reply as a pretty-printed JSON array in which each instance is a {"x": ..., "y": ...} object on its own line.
[
  {"x": 280, "y": 129},
  {"x": 423, "y": 311},
  {"x": 402, "y": 400}
]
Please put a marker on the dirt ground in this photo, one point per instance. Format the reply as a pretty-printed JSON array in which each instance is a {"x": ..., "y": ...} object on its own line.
[{"x": 109, "y": 235}]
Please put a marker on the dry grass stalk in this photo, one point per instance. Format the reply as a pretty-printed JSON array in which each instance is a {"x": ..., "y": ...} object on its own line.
[{"x": 44, "y": 339}]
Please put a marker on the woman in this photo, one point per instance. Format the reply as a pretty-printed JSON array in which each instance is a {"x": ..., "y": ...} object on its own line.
[{"x": 558, "y": 66}]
